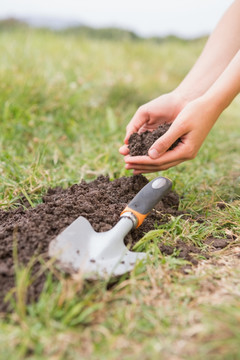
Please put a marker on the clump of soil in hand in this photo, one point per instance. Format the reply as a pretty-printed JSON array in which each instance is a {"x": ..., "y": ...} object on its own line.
[
  {"x": 139, "y": 144},
  {"x": 100, "y": 201}
]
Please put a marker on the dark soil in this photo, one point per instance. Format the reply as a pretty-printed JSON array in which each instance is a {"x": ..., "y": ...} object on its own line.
[
  {"x": 217, "y": 243},
  {"x": 139, "y": 144},
  {"x": 184, "y": 251},
  {"x": 100, "y": 201}
]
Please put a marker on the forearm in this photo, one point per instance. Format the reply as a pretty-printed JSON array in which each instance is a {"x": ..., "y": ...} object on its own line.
[
  {"x": 219, "y": 50},
  {"x": 226, "y": 87}
]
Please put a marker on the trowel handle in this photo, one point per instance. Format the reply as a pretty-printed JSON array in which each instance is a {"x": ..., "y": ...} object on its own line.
[{"x": 147, "y": 198}]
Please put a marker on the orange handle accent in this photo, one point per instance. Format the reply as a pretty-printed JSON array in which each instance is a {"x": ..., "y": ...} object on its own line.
[{"x": 139, "y": 216}]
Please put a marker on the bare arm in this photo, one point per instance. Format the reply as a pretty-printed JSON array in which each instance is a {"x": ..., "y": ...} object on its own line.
[
  {"x": 219, "y": 50},
  {"x": 218, "y": 58},
  {"x": 192, "y": 124},
  {"x": 227, "y": 86}
]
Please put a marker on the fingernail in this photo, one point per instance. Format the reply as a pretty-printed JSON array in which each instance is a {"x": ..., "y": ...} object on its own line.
[{"x": 153, "y": 153}]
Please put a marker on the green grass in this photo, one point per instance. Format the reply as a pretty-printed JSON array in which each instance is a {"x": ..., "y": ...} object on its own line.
[{"x": 64, "y": 104}]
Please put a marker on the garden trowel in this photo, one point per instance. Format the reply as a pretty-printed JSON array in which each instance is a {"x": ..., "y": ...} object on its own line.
[{"x": 100, "y": 255}]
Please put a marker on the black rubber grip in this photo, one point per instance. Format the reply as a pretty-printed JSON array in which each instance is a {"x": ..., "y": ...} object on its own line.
[{"x": 150, "y": 195}]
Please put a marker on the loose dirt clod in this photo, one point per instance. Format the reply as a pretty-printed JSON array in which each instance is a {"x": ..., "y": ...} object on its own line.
[{"x": 139, "y": 144}]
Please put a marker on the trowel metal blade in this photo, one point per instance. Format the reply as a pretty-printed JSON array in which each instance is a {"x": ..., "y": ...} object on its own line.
[
  {"x": 96, "y": 255},
  {"x": 70, "y": 247}
]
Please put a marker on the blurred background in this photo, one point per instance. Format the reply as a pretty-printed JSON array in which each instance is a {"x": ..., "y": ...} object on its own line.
[{"x": 185, "y": 18}]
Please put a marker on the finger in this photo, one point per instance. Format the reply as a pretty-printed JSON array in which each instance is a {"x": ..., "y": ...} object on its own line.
[
  {"x": 153, "y": 168},
  {"x": 181, "y": 153},
  {"x": 160, "y": 168},
  {"x": 139, "y": 167},
  {"x": 139, "y": 159},
  {"x": 124, "y": 150},
  {"x": 165, "y": 141},
  {"x": 177, "y": 154},
  {"x": 139, "y": 119}
]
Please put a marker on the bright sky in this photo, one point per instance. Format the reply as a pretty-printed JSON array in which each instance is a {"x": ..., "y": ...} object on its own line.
[{"x": 187, "y": 18}]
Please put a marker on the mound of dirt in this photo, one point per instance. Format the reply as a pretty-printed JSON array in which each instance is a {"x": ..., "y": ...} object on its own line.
[
  {"x": 29, "y": 230},
  {"x": 100, "y": 201},
  {"x": 139, "y": 144}
]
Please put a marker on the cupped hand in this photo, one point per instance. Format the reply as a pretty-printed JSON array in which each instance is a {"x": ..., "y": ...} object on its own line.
[
  {"x": 163, "y": 109},
  {"x": 192, "y": 125}
]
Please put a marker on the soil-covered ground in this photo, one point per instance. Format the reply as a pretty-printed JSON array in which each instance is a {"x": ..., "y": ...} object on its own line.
[
  {"x": 139, "y": 144},
  {"x": 29, "y": 230},
  {"x": 100, "y": 201}
]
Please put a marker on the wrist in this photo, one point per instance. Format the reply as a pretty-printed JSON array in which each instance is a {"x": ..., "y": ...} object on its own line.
[
  {"x": 210, "y": 108},
  {"x": 225, "y": 88},
  {"x": 213, "y": 102},
  {"x": 188, "y": 93},
  {"x": 181, "y": 99}
]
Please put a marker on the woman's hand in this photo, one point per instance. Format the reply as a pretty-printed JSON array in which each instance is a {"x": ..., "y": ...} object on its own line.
[
  {"x": 164, "y": 109},
  {"x": 192, "y": 125}
]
